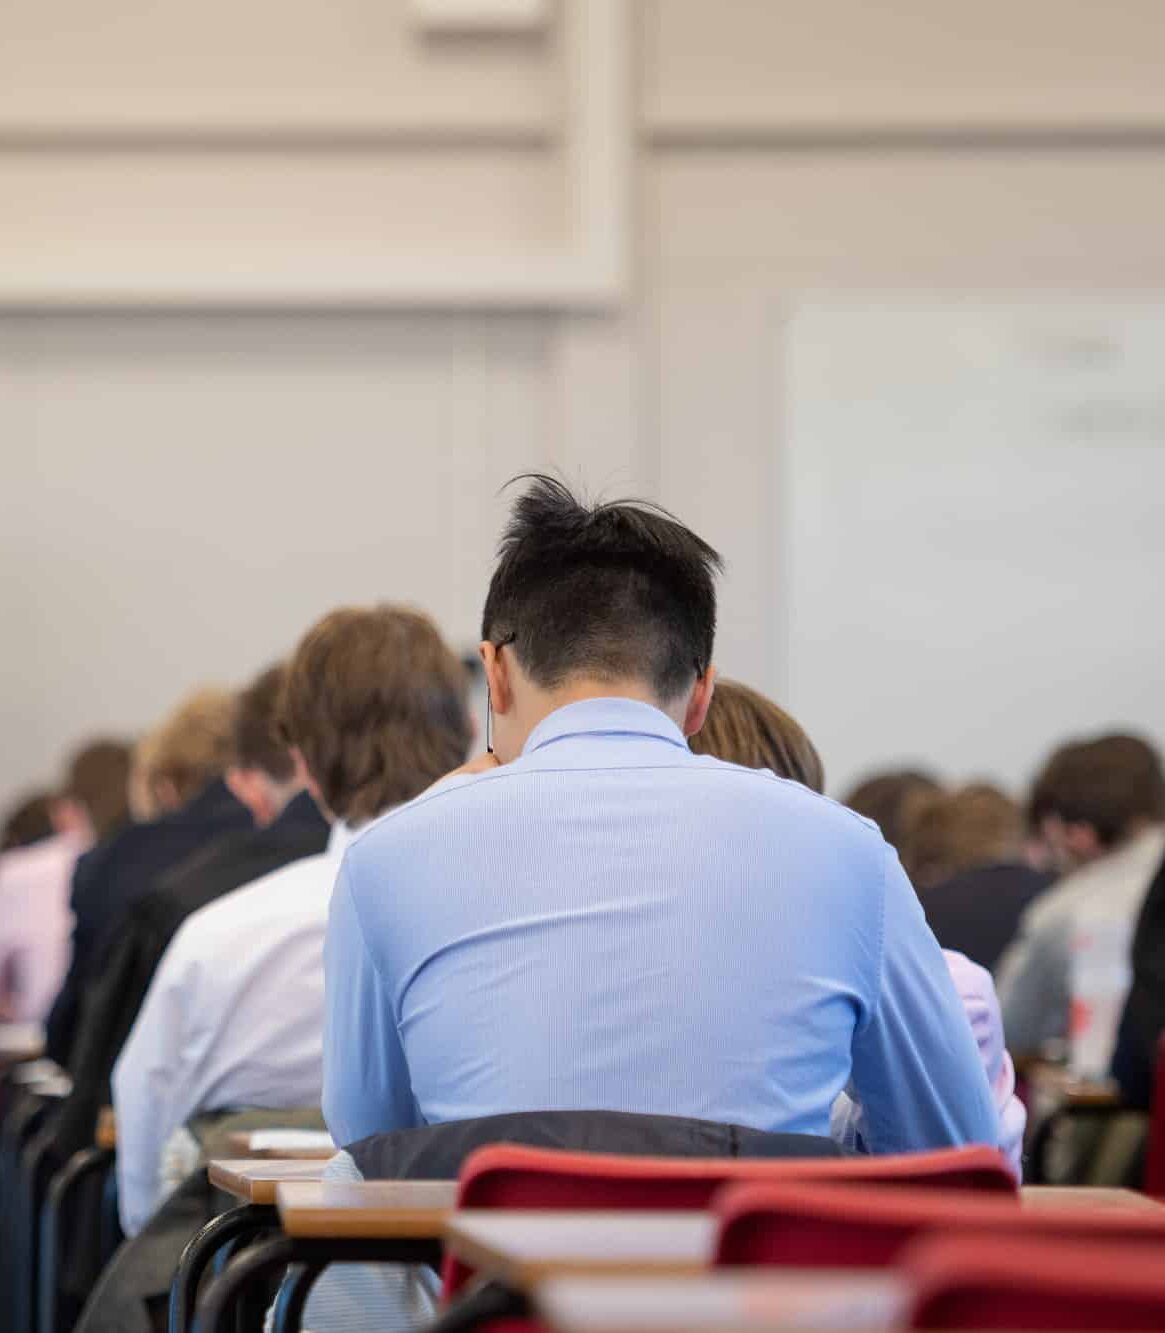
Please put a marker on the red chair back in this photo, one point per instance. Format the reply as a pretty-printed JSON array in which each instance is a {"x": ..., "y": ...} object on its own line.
[
  {"x": 987, "y": 1282},
  {"x": 510, "y": 1176},
  {"x": 1155, "y": 1151},
  {"x": 804, "y": 1225}
]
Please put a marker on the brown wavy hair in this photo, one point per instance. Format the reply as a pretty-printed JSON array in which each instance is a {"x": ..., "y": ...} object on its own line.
[
  {"x": 745, "y": 728},
  {"x": 375, "y": 702}
]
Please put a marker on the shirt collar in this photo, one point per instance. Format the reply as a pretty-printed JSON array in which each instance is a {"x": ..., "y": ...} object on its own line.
[
  {"x": 609, "y": 717},
  {"x": 339, "y": 836}
]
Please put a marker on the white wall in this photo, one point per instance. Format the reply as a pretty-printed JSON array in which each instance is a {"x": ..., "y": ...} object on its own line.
[{"x": 184, "y": 483}]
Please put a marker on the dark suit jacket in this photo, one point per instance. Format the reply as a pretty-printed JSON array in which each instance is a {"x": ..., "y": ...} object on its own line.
[
  {"x": 116, "y": 874},
  {"x": 1135, "y": 1059},
  {"x": 436, "y": 1152},
  {"x": 978, "y": 911},
  {"x": 126, "y": 966}
]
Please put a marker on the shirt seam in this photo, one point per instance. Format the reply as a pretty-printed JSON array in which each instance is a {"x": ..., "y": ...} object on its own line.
[
  {"x": 721, "y": 769},
  {"x": 881, "y": 976}
]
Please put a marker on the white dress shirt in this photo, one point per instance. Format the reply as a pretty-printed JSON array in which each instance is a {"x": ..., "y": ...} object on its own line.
[
  {"x": 1037, "y": 985},
  {"x": 233, "y": 1018}
]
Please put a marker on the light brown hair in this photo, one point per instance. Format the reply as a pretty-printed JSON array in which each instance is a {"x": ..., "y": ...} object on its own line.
[
  {"x": 257, "y": 739},
  {"x": 743, "y": 727},
  {"x": 191, "y": 747},
  {"x": 376, "y": 703},
  {"x": 948, "y": 832},
  {"x": 98, "y": 780}
]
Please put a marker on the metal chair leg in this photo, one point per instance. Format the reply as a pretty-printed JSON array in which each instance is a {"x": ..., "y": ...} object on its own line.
[
  {"x": 479, "y": 1307},
  {"x": 244, "y": 1221},
  {"x": 293, "y": 1294},
  {"x": 79, "y": 1167},
  {"x": 217, "y": 1308}
]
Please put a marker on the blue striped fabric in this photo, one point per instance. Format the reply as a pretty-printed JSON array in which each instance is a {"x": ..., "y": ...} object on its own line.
[{"x": 613, "y": 922}]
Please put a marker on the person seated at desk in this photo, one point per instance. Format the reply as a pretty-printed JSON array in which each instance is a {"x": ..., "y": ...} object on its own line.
[
  {"x": 1100, "y": 805},
  {"x": 179, "y": 768},
  {"x": 374, "y": 710},
  {"x": 287, "y": 826},
  {"x": 600, "y": 919},
  {"x": 964, "y": 853},
  {"x": 35, "y": 920},
  {"x": 595, "y": 918},
  {"x": 743, "y": 727}
]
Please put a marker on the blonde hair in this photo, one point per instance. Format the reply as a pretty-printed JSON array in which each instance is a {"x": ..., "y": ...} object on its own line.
[
  {"x": 952, "y": 831},
  {"x": 188, "y": 749},
  {"x": 745, "y": 728}
]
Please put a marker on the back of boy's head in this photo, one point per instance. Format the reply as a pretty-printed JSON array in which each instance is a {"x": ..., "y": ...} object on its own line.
[
  {"x": 606, "y": 592},
  {"x": 1111, "y": 782},
  {"x": 950, "y": 832},
  {"x": 257, "y": 742},
  {"x": 191, "y": 748},
  {"x": 890, "y": 798},
  {"x": 376, "y": 703},
  {"x": 98, "y": 780}
]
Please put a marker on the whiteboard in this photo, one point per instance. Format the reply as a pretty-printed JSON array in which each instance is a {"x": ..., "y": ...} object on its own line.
[{"x": 972, "y": 528}]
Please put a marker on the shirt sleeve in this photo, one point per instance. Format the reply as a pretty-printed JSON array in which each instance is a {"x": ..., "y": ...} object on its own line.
[
  {"x": 916, "y": 1069},
  {"x": 151, "y": 1097},
  {"x": 1033, "y": 975},
  {"x": 366, "y": 1080}
]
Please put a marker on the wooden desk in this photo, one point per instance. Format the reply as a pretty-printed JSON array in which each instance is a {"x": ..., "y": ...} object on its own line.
[
  {"x": 254, "y": 1180},
  {"x": 522, "y": 1248},
  {"x": 283, "y": 1145},
  {"x": 741, "y": 1299},
  {"x": 1084, "y": 1196},
  {"x": 107, "y": 1128},
  {"x": 368, "y": 1210}
]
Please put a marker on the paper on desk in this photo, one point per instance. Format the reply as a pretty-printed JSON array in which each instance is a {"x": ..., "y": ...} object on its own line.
[{"x": 291, "y": 1140}]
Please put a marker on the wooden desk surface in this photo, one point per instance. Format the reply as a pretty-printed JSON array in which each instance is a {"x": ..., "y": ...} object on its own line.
[
  {"x": 524, "y": 1247},
  {"x": 369, "y": 1210},
  {"x": 1084, "y": 1196},
  {"x": 741, "y": 1299},
  {"x": 254, "y": 1179},
  {"x": 288, "y": 1146},
  {"x": 106, "y": 1128}
]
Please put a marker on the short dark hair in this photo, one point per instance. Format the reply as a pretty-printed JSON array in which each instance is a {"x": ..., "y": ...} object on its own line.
[
  {"x": 614, "y": 590},
  {"x": 745, "y": 728},
  {"x": 1108, "y": 782},
  {"x": 257, "y": 741},
  {"x": 376, "y": 703},
  {"x": 98, "y": 779},
  {"x": 889, "y": 799}
]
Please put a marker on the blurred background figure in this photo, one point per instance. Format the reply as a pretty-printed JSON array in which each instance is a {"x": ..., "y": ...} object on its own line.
[
  {"x": 1099, "y": 804},
  {"x": 29, "y": 820},
  {"x": 179, "y": 779},
  {"x": 891, "y": 798},
  {"x": 964, "y": 853},
  {"x": 35, "y": 878}
]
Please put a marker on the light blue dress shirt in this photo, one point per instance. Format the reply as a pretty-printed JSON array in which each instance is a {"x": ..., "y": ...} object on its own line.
[{"x": 613, "y": 922}]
